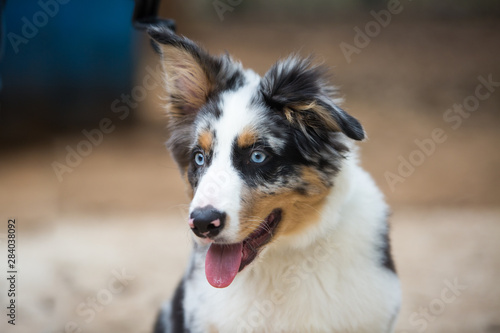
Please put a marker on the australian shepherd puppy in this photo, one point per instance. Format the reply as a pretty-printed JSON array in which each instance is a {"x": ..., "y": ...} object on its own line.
[{"x": 290, "y": 234}]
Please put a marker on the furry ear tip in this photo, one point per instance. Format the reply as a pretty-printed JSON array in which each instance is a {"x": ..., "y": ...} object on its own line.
[
  {"x": 162, "y": 34},
  {"x": 355, "y": 131},
  {"x": 360, "y": 135}
]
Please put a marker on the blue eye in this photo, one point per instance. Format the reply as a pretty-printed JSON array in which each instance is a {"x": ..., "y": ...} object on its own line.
[
  {"x": 258, "y": 157},
  {"x": 199, "y": 159}
]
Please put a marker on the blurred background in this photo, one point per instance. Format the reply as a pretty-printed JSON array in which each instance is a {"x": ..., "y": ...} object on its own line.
[{"x": 100, "y": 207}]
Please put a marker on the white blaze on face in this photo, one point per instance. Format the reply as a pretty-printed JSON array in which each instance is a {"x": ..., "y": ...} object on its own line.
[{"x": 221, "y": 184}]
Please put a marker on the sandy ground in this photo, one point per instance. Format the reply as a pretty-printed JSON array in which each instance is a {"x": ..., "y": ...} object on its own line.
[{"x": 121, "y": 210}]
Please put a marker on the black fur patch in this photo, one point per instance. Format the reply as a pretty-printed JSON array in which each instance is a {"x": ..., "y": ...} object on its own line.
[
  {"x": 320, "y": 148},
  {"x": 268, "y": 173},
  {"x": 177, "y": 315},
  {"x": 387, "y": 260},
  {"x": 159, "y": 324},
  {"x": 298, "y": 87}
]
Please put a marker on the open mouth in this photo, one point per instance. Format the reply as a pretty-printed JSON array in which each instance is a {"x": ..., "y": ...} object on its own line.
[{"x": 224, "y": 261}]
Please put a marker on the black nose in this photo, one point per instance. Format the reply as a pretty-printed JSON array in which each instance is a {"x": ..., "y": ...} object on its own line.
[{"x": 207, "y": 221}]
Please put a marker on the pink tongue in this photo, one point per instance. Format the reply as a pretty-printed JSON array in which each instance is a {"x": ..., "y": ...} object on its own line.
[{"x": 222, "y": 264}]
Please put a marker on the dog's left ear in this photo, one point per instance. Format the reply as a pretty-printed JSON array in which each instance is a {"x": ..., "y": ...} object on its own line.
[{"x": 299, "y": 91}]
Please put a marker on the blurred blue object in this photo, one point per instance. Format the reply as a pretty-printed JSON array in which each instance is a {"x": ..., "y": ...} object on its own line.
[{"x": 64, "y": 62}]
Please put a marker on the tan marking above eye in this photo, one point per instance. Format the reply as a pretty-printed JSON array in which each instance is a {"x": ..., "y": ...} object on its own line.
[
  {"x": 205, "y": 140},
  {"x": 247, "y": 138}
]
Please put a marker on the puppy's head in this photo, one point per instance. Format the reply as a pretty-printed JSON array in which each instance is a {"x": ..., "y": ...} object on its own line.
[{"x": 259, "y": 154}]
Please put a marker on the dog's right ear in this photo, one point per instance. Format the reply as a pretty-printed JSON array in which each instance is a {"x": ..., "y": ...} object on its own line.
[
  {"x": 190, "y": 75},
  {"x": 189, "y": 71}
]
